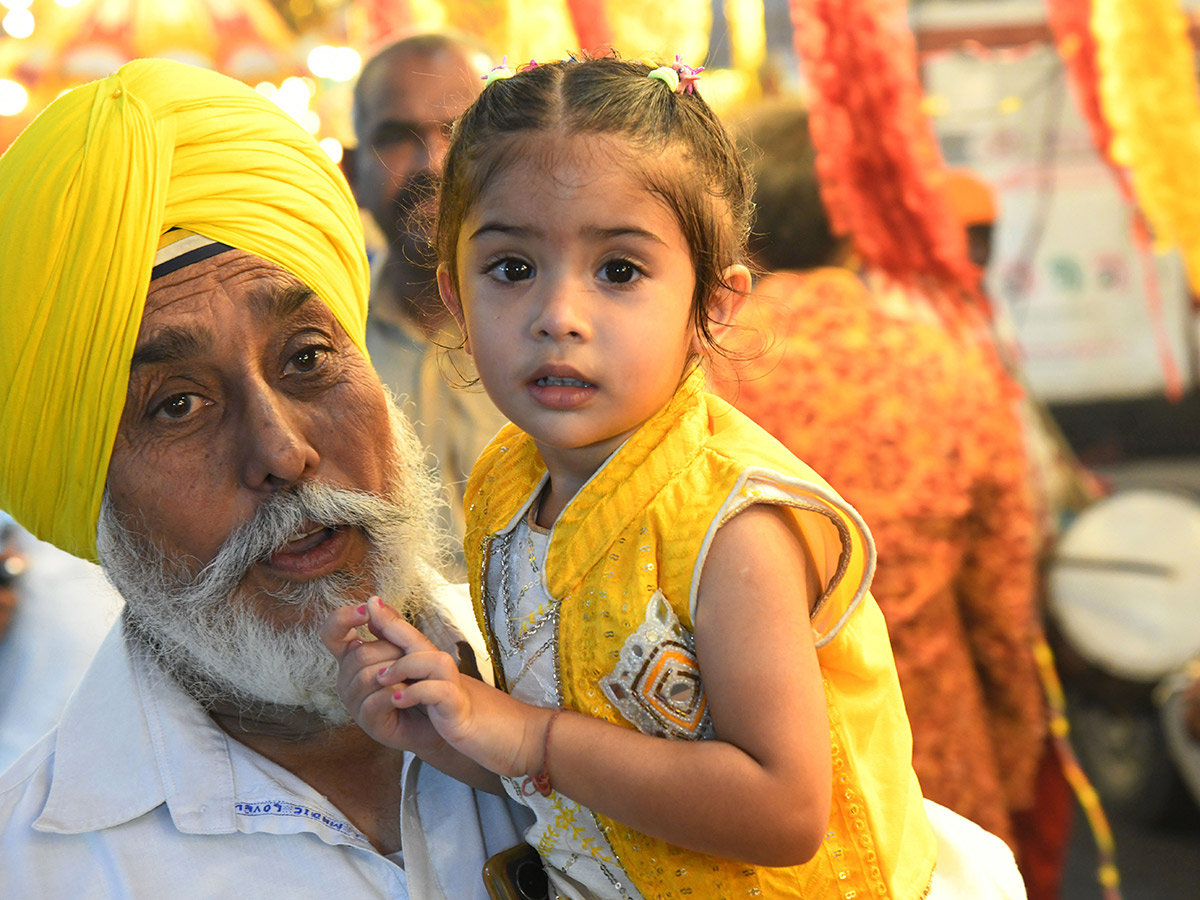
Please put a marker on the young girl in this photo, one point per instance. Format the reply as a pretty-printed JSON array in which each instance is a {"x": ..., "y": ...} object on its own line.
[{"x": 699, "y": 698}]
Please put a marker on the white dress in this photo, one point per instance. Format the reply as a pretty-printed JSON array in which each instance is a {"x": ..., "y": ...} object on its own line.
[{"x": 972, "y": 864}]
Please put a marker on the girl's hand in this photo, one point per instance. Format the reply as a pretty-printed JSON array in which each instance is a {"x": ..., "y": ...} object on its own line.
[
  {"x": 486, "y": 725},
  {"x": 370, "y": 703}
]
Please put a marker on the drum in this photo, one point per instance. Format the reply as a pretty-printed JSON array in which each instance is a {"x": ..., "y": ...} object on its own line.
[
  {"x": 1124, "y": 584},
  {"x": 1123, "y": 598}
]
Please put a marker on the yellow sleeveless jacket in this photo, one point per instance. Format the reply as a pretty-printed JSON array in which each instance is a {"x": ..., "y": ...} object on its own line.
[{"x": 643, "y": 524}]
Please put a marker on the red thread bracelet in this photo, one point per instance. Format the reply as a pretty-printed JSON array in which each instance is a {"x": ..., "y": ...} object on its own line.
[{"x": 541, "y": 781}]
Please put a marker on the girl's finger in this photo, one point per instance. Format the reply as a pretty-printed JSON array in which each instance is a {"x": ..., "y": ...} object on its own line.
[
  {"x": 338, "y": 630},
  {"x": 440, "y": 695},
  {"x": 387, "y": 624},
  {"x": 420, "y": 666},
  {"x": 371, "y": 653}
]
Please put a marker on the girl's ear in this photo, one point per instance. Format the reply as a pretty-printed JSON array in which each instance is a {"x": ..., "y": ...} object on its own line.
[
  {"x": 450, "y": 298},
  {"x": 726, "y": 303}
]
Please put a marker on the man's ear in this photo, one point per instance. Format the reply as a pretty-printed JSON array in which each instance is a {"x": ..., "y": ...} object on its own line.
[
  {"x": 726, "y": 303},
  {"x": 450, "y": 298}
]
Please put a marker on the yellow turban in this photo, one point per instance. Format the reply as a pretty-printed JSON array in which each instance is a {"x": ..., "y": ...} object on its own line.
[{"x": 85, "y": 193}]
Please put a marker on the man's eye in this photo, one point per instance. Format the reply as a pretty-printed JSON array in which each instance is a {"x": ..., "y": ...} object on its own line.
[
  {"x": 179, "y": 406},
  {"x": 512, "y": 270},
  {"x": 392, "y": 134},
  {"x": 307, "y": 360},
  {"x": 620, "y": 271}
]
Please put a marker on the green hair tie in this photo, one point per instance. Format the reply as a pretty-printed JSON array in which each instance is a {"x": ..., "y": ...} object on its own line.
[
  {"x": 498, "y": 72},
  {"x": 667, "y": 76}
]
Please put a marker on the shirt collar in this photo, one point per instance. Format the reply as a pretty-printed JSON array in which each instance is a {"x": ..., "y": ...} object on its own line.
[{"x": 118, "y": 753}]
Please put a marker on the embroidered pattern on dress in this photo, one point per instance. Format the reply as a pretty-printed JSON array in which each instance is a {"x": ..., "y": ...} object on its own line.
[{"x": 656, "y": 683}]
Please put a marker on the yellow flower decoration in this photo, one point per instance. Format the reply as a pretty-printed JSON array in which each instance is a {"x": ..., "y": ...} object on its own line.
[{"x": 1151, "y": 100}]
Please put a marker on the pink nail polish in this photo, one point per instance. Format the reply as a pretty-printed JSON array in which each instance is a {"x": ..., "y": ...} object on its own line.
[
  {"x": 382, "y": 671},
  {"x": 398, "y": 695},
  {"x": 361, "y": 610},
  {"x": 378, "y": 602}
]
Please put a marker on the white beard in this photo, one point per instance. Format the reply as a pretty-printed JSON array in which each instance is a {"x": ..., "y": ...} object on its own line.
[{"x": 212, "y": 642}]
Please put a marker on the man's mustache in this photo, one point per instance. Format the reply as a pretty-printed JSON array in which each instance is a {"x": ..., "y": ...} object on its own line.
[{"x": 285, "y": 515}]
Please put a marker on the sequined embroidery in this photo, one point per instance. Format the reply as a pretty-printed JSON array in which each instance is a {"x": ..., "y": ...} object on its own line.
[{"x": 656, "y": 682}]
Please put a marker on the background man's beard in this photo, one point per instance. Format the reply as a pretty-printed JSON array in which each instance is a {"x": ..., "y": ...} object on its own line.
[
  {"x": 412, "y": 261},
  {"x": 203, "y": 630}
]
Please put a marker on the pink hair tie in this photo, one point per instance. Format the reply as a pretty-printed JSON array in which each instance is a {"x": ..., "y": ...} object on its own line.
[{"x": 688, "y": 77}]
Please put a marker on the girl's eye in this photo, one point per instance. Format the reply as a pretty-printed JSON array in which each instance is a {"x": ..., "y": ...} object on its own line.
[
  {"x": 179, "y": 406},
  {"x": 620, "y": 271},
  {"x": 512, "y": 270},
  {"x": 307, "y": 360}
]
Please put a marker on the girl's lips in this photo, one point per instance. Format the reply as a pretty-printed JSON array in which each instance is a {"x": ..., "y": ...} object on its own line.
[
  {"x": 553, "y": 394},
  {"x": 318, "y": 553}
]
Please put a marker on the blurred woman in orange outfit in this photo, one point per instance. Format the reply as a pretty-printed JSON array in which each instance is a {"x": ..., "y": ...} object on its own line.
[{"x": 913, "y": 424}]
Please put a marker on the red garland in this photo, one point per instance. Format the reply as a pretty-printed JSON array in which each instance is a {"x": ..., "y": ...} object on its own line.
[
  {"x": 877, "y": 159},
  {"x": 591, "y": 23}
]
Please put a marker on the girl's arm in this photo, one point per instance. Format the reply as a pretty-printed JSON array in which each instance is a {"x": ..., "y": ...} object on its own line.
[{"x": 760, "y": 792}]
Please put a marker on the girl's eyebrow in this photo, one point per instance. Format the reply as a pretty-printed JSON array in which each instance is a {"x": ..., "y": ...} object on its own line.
[
  {"x": 501, "y": 228},
  {"x": 592, "y": 232}
]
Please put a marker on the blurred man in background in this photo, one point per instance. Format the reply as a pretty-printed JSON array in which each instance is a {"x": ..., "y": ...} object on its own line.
[{"x": 404, "y": 104}]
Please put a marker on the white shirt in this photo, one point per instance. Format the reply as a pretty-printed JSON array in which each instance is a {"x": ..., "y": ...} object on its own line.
[
  {"x": 57, "y": 595},
  {"x": 139, "y": 794}
]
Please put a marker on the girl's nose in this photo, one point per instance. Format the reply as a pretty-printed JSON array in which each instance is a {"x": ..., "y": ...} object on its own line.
[{"x": 562, "y": 315}]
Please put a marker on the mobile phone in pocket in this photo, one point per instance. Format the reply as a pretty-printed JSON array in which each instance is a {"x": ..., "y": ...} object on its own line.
[{"x": 516, "y": 874}]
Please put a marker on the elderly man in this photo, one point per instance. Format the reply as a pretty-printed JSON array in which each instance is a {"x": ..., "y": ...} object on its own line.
[
  {"x": 404, "y": 102},
  {"x": 188, "y": 399}
]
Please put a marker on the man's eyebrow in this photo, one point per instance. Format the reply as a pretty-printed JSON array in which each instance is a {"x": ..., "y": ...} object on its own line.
[
  {"x": 280, "y": 301},
  {"x": 171, "y": 344}
]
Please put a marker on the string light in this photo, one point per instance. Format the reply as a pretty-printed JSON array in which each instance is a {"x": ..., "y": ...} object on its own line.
[
  {"x": 13, "y": 97},
  {"x": 18, "y": 23},
  {"x": 334, "y": 63},
  {"x": 333, "y": 147}
]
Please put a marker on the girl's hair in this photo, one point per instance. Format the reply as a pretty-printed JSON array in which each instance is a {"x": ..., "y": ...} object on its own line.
[{"x": 709, "y": 191}]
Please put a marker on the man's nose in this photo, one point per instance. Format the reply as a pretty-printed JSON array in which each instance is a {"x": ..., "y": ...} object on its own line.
[
  {"x": 277, "y": 450},
  {"x": 562, "y": 314}
]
